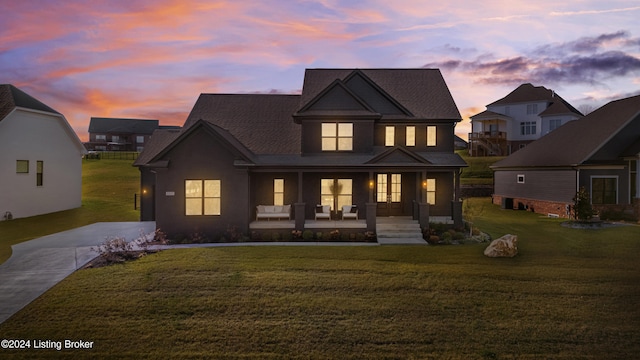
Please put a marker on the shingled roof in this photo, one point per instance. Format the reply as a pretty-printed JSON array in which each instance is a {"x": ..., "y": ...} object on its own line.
[
  {"x": 262, "y": 122},
  {"x": 423, "y": 92},
  {"x": 529, "y": 93},
  {"x": 122, "y": 126},
  {"x": 159, "y": 140},
  {"x": 577, "y": 142},
  {"x": 12, "y": 97}
]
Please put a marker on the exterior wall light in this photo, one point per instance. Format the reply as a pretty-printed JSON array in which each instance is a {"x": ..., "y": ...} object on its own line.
[{"x": 372, "y": 184}]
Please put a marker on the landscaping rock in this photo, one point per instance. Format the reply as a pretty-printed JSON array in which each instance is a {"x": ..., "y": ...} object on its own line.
[{"x": 506, "y": 246}]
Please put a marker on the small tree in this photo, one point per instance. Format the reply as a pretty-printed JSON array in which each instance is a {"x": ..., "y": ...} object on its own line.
[{"x": 582, "y": 209}]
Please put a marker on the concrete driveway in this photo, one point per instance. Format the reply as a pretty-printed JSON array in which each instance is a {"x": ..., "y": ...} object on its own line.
[{"x": 37, "y": 265}]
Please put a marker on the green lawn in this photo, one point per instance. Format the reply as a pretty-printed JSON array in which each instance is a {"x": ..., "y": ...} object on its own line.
[
  {"x": 569, "y": 294},
  {"x": 478, "y": 171},
  {"x": 107, "y": 195}
]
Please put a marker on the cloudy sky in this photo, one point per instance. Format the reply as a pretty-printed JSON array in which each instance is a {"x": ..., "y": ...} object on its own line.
[{"x": 152, "y": 58}]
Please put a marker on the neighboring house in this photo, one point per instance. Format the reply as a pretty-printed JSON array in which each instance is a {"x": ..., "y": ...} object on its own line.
[
  {"x": 40, "y": 157},
  {"x": 380, "y": 139},
  {"x": 114, "y": 134},
  {"x": 600, "y": 152},
  {"x": 511, "y": 123}
]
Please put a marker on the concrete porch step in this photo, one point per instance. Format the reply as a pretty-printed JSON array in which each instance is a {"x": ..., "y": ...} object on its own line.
[{"x": 398, "y": 230}]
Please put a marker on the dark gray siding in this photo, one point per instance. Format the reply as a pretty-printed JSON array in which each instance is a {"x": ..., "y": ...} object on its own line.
[
  {"x": 549, "y": 185},
  {"x": 623, "y": 181},
  {"x": 444, "y": 138},
  {"x": 444, "y": 193},
  {"x": 201, "y": 157},
  {"x": 147, "y": 194}
]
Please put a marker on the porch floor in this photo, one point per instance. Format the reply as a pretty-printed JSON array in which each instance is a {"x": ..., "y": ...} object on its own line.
[{"x": 308, "y": 224}]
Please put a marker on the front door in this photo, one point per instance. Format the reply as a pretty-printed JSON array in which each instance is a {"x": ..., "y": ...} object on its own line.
[{"x": 389, "y": 195}]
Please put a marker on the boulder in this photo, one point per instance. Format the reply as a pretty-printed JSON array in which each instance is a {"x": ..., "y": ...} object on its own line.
[{"x": 506, "y": 246}]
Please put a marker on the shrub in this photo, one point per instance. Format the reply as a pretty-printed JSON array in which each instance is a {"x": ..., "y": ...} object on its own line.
[
  {"x": 307, "y": 235},
  {"x": 582, "y": 209}
]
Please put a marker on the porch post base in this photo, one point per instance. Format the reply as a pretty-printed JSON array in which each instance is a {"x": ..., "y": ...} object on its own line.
[
  {"x": 299, "y": 215},
  {"x": 371, "y": 216},
  {"x": 456, "y": 214},
  {"x": 423, "y": 216}
]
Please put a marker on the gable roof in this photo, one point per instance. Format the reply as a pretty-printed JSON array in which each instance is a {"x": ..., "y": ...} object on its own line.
[
  {"x": 123, "y": 126},
  {"x": 12, "y": 97},
  {"x": 529, "y": 93},
  {"x": 576, "y": 142},
  {"x": 419, "y": 93},
  {"x": 159, "y": 140},
  {"x": 262, "y": 122}
]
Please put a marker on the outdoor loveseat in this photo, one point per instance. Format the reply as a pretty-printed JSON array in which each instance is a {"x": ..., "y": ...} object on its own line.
[{"x": 273, "y": 212}]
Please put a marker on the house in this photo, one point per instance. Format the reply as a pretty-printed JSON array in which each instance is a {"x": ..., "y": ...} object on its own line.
[
  {"x": 379, "y": 139},
  {"x": 516, "y": 120},
  {"x": 115, "y": 134},
  {"x": 40, "y": 157},
  {"x": 600, "y": 152}
]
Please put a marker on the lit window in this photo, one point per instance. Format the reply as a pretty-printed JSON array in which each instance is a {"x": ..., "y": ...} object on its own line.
[
  {"x": 336, "y": 192},
  {"x": 431, "y": 191},
  {"x": 411, "y": 136},
  {"x": 202, "y": 197},
  {"x": 278, "y": 191},
  {"x": 389, "y": 136},
  {"x": 22, "y": 166},
  {"x": 432, "y": 136},
  {"x": 39, "y": 172},
  {"x": 389, "y": 188},
  {"x": 337, "y": 136}
]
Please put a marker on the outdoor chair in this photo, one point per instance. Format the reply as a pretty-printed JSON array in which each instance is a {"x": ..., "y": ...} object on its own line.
[
  {"x": 323, "y": 212},
  {"x": 350, "y": 212}
]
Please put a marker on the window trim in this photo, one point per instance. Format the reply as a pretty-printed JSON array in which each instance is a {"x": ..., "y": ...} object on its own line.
[
  {"x": 336, "y": 136},
  {"x": 278, "y": 196},
  {"x": 431, "y": 194},
  {"x": 39, "y": 173},
  {"x": 203, "y": 197},
  {"x": 520, "y": 178},
  {"x": 410, "y": 137},
  {"x": 615, "y": 177},
  {"x": 528, "y": 128},
  {"x": 432, "y": 135},
  {"x": 389, "y": 135},
  {"x": 18, "y": 167}
]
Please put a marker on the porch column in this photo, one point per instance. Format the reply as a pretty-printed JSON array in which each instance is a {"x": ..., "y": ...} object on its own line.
[
  {"x": 456, "y": 204},
  {"x": 423, "y": 205},
  {"x": 371, "y": 216},
  {"x": 299, "y": 207}
]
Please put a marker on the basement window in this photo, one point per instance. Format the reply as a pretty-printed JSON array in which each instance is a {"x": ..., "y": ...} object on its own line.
[{"x": 520, "y": 178}]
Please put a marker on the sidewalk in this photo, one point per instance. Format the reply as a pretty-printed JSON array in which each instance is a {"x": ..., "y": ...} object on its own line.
[{"x": 37, "y": 265}]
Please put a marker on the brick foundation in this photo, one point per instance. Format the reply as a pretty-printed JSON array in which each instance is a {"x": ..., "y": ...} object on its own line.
[
  {"x": 551, "y": 208},
  {"x": 560, "y": 209}
]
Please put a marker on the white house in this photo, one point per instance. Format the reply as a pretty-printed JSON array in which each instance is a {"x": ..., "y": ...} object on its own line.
[
  {"x": 524, "y": 115},
  {"x": 40, "y": 158}
]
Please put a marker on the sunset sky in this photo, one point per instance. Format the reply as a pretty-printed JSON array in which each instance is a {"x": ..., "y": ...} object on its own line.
[{"x": 151, "y": 59}]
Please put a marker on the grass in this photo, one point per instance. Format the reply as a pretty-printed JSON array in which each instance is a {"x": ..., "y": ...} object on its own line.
[
  {"x": 569, "y": 294},
  {"x": 107, "y": 195},
  {"x": 478, "y": 171}
]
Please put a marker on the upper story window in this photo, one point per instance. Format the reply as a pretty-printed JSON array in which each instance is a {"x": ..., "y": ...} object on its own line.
[
  {"x": 431, "y": 135},
  {"x": 532, "y": 109},
  {"x": 101, "y": 137},
  {"x": 411, "y": 136},
  {"x": 528, "y": 128},
  {"x": 554, "y": 124},
  {"x": 389, "y": 136},
  {"x": 337, "y": 136}
]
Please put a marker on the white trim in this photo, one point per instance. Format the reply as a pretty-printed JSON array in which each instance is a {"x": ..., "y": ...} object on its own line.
[
  {"x": 604, "y": 177},
  {"x": 518, "y": 177}
]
